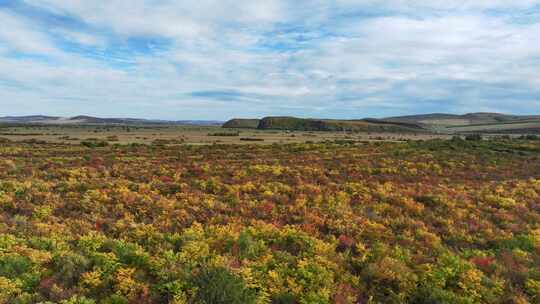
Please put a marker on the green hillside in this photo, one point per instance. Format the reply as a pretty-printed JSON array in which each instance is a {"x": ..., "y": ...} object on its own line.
[
  {"x": 365, "y": 125},
  {"x": 239, "y": 123},
  {"x": 494, "y": 123}
]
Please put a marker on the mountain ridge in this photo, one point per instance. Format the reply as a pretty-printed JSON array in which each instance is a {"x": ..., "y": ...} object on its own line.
[
  {"x": 92, "y": 120},
  {"x": 446, "y": 123},
  {"x": 476, "y": 122}
]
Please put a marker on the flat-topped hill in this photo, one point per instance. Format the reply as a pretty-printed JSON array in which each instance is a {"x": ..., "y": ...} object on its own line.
[
  {"x": 442, "y": 123},
  {"x": 239, "y": 123},
  {"x": 305, "y": 124}
]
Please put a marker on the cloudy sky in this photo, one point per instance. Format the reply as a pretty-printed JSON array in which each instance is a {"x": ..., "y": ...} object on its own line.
[{"x": 217, "y": 59}]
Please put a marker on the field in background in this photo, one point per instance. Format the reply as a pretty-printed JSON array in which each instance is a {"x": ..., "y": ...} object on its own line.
[
  {"x": 503, "y": 127},
  {"x": 74, "y": 134},
  {"x": 484, "y": 123}
]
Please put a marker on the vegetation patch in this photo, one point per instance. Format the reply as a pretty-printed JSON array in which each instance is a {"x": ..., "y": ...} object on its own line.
[
  {"x": 438, "y": 221},
  {"x": 233, "y": 134},
  {"x": 251, "y": 139},
  {"x": 94, "y": 143}
]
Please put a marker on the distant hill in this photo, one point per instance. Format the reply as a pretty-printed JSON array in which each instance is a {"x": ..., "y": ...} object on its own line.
[
  {"x": 492, "y": 123},
  {"x": 239, "y": 123},
  {"x": 27, "y": 119},
  {"x": 89, "y": 120},
  {"x": 474, "y": 122},
  {"x": 466, "y": 119},
  {"x": 303, "y": 124}
]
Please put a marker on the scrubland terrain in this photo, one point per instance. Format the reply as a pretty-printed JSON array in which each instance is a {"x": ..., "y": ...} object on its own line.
[
  {"x": 193, "y": 135},
  {"x": 439, "y": 221}
]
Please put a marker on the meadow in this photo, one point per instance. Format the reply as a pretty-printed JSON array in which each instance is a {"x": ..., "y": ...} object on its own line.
[
  {"x": 189, "y": 135},
  {"x": 436, "y": 221}
]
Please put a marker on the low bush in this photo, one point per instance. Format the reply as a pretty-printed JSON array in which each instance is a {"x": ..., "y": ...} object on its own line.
[
  {"x": 231, "y": 134},
  {"x": 251, "y": 139},
  {"x": 94, "y": 143},
  {"x": 219, "y": 286},
  {"x": 473, "y": 137}
]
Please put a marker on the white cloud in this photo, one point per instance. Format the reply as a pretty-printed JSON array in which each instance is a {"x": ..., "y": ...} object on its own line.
[
  {"x": 304, "y": 56},
  {"x": 81, "y": 38},
  {"x": 167, "y": 18},
  {"x": 438, "y": 5},
  {"x": 18, "y": 34}
]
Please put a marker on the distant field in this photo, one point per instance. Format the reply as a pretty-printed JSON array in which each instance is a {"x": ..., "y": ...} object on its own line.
[
  {"x": 496, "y": 127},
  {"x": 446, "y": 122},
  {"x": 208, "y": 135},
  {"x": 486, "y": 123},
  {"x": 195, "y": 135}
]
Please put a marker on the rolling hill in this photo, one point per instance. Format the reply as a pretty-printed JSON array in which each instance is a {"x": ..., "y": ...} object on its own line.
[
  {"x": 303, "y": 124},
  {"x": 90, "y": 120},
  {"x": 239, "y": 123},
  {"x": 489, "y": 123},
  {"x": 466, "y": 119}
]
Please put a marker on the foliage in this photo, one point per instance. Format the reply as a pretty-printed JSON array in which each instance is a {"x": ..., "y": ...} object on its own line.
[
  {"x": 438, "y": 221},
  {"x": 94, "y": 143},
  {"x": 224, "y": 134},
  {"x": 473, "y": 137},
  {"x": 218, "y": 286}
]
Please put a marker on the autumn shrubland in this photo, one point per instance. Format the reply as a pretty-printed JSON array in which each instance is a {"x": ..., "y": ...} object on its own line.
[{"x": 441, "y": 221}]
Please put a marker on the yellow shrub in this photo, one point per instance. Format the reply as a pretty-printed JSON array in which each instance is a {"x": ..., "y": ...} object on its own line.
[
  {"x": 533, "y": 288},
  {"x": 7, "y": 290},
  {"x": 92, "y": 279}
]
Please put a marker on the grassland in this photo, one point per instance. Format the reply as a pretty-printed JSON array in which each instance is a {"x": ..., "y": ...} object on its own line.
[
  {"x": 194, "y": 135},
  {"x": 501, "y": 127},
  {"x": 438, "y": 221},
  {"x": 485, "y": 123}
]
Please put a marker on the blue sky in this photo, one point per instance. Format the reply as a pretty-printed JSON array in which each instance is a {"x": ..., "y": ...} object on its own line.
[{"x": 218, "y": 59}]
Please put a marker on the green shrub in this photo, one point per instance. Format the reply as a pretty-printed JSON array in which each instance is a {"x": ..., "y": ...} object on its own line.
[
  {"x": 14, "y": 265},
  {"x": 78, "y": 300},
  {"x": 218, "y": 286},
  {"x": 530, "y": 137},
  {"x": 94, "y": 143},
  {"x": 284, "y": 298},
  {"x": 69, "y": 267},
  {"x": 473, "y": 137},
  {"x": 522, "y": 241},
  {"x": 434, "y": 295},
  {"x": 115, "y": 299},
  {"x": 131, "y": 254},
  {"x": 251, "y": 139},
  {"x": 248, "y": 247},
  {"x": 224, "y": 134}
]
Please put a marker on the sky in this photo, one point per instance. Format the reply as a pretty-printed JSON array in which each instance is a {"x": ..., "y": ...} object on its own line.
[{"x": 219, "y": 59}]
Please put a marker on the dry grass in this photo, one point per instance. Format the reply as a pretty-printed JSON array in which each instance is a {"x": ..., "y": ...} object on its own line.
[{"x": 188, "y": 135}]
